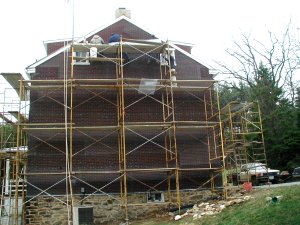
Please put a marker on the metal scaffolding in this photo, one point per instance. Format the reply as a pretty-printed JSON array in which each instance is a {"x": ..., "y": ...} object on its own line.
[
  {"x": 226, "y": 133},
  {"x": 13, "y": 151},
  {"x": 243, "y": 136}
]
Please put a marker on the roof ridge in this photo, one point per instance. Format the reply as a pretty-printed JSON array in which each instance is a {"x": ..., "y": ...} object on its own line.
[{"x": 31, "y": 68}]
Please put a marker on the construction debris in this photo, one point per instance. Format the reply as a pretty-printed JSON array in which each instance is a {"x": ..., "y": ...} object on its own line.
[
  {"x": 205, "y": 208},
  {"x": 177, "y": 217}
]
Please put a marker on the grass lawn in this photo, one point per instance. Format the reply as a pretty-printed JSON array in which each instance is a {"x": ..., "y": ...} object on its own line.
[{"x": 256, "y": 211}]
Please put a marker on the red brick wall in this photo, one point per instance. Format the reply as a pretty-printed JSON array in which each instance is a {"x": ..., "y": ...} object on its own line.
[{"x": 98, "y": 149}]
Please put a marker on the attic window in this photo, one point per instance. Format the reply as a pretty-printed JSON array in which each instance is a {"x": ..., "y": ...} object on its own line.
[{"x": 81, "y": 58}]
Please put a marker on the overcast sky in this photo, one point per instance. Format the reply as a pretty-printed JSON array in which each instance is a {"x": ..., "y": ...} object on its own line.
[{"x": 210, "y": 25}]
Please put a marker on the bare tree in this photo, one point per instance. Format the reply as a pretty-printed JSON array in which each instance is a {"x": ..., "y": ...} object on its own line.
[
  {"x": 265, "y": 71},
  {"x": 279, "y": 56}
]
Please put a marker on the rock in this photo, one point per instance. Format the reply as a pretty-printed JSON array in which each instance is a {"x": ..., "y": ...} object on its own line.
[
  {"x": 171, "y": 214},
  {"x": 209, "y": 213},
  {"x": 189, "y": 210},
  {"x": 247, "y": 197},
  {"x": 237, "y": 201},
  {"x": 242, "y": 192},
  {"x": 196, "y": 216},
  {"x": 229, "y": 203},
  {"x": 177, "y": 217},
  {"x": 222, "y": 207},
  {"x": 185, "y": 214},
  {"x": 221, "y": 202},
  {"x": 195, "y": 207}
]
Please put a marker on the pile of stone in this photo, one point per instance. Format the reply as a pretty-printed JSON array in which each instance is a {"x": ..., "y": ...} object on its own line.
[{"x": 206, "y": 208}]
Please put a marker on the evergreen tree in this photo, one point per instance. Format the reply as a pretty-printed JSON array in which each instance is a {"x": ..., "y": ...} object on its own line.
[
  {"x": 280, "y": 118},
  {"x": 264, "y": 72}
]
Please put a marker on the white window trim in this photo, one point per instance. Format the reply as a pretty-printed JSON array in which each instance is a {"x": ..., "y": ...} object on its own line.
[{"x": 83, "y": 62}]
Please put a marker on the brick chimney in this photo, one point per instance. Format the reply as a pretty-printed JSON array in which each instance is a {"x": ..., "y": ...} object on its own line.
[{"x": 123, "y": 12}]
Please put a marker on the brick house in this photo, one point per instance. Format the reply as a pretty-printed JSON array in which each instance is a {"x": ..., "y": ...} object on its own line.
[{"x": 101, "y": 126}]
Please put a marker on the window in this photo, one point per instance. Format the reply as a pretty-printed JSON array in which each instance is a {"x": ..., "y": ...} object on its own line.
[
  {"x": 81, "y": 58},
  {"x": 155, "y": 197}
]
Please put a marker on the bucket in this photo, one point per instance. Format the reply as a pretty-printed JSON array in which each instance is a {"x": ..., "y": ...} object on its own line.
[
  {"x": 93, "y": 52},
  {"x": 173, "y": 79},
  {"x": 247, "y": 186}
]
